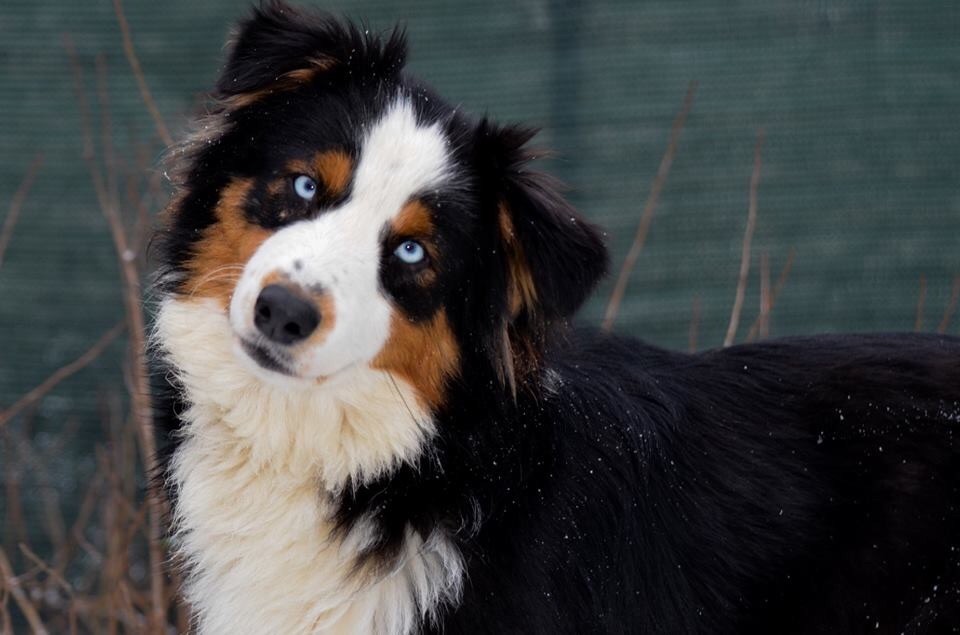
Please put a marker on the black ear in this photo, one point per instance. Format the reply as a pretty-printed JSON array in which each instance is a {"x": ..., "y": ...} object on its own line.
[
  {"x": 554, "y": 257},
  {"x": 551, "y": 256},
  {"x": 280, "y": 43}
]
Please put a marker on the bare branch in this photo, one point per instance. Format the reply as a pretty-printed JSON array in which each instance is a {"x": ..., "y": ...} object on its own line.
[
  {"x": 61, "y": 373},
  {"x": 951, "y": 305},
  {"x": 16, "y": 204},
  {"x": 764, "y": 295},
  {"x": 134, "y": 62},
  {"x": 777, "y": 288},
  {"x": 6, "y": 623},
  {"x": 747, "y": 237},
  {"x": 106, "y": 132},
  {"x": 46, "y": 568},
  {"x": 12, "y": 584},
  {"x": 646, "y": 219},
  {"x": 59, "y": 580},
  {"x": 16, "y": 526},
  {"x": 87, "y": 506},
  {"x": 139, "y": 390}
]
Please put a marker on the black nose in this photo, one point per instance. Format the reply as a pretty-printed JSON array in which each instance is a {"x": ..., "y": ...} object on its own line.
[{"x": 282, "y": 316}]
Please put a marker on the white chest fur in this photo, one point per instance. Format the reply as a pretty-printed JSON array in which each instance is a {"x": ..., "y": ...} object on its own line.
[{"x": 253, "y": 474}]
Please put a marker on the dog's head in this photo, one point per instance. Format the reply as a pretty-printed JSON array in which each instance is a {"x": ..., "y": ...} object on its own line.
[{"x": 342, "y": 216}]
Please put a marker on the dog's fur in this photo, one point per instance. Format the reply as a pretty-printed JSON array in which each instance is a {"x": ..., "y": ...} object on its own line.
[{"x": 445, "y": 453}]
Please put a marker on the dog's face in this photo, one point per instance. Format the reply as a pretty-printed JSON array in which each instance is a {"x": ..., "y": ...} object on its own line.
[
  {"x": 347, "y": 259},
  {"x": 343, "y": 216}
]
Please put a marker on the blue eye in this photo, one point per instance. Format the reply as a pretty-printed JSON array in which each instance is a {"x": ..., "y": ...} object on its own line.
[
  {"x": 410, "y": 252},
  {"x": 305, "y": 187}
]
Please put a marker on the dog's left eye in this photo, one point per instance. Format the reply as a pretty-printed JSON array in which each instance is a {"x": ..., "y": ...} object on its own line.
[
  {"x": 410, "y": 252},
  {"x": 305, "y": 187}
]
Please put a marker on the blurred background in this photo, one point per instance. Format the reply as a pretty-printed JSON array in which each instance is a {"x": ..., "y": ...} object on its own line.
[{"x": 856, "y": 227}]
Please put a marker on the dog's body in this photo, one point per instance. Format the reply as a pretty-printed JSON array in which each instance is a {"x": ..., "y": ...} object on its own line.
[{"x": 382, "y": 422}]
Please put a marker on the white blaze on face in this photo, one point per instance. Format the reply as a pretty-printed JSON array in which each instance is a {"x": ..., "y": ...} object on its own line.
[
  {"x": 256, "y": 446},
  {"x": 339, "y": 251}
]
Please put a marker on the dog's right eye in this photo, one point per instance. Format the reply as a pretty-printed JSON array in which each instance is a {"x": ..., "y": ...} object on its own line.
[
  {"x": 305, "y": 187},
  {"x": 410, "y": 252}
]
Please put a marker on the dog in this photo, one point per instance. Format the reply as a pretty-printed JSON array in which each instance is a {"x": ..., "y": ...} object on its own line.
[{"x": 379, "y": 419}]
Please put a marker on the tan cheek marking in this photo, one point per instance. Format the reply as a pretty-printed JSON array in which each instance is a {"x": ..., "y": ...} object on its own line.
[
  {"x": 277, "y": 187},
  {"x": 521, "y": 293},
  {"x": 328, "y": 318},
  {"x": 226, "y": 246},
  {"x": 424, "y": 354}
]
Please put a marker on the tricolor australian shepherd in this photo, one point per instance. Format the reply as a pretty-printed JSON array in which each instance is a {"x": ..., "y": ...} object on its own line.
[{"x": 382, "y": 422}]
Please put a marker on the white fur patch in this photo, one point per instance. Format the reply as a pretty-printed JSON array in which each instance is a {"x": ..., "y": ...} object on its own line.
[
  {"x": 339, "y": 250},
  {"x": 262, "y": 454},
  {"x": 254, "y": 470}
]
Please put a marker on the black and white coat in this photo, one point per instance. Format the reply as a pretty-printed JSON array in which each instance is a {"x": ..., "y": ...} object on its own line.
[{"x": 406, "y": 434}]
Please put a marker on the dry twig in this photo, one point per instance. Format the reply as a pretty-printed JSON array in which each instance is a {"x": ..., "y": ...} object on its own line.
[
  {"x": 777, "y": 288},
  {"x": 646, "y": 219},
  {"x": 16, "y": 204},
  {"x": 60, "y": 374},
  {"x": 134, "y": 62},
  {"x": 951, "y": 305},
  {"x": 16, "y": 526},
  {"x": 140, "y": 390},
  {"x": 764, "y": 314},
  {"x": 12, "y": 585},
  {"x": 107, "y": 598},
  {"x": 52, "y": 573},
  {"x": 58, "y": 580},
  {"x": 747, "y": 237}
]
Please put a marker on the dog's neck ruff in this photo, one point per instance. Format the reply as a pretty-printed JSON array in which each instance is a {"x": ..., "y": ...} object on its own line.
[{"x": 256, "y": 473}]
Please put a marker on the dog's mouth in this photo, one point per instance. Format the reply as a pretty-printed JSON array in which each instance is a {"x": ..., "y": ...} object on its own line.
[
  {"x": 268, "y": 358},
  {"x": 276, "y": 361}
]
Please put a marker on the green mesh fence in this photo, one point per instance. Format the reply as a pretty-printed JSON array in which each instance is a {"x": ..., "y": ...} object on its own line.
[{"x": 859, "y": 100}]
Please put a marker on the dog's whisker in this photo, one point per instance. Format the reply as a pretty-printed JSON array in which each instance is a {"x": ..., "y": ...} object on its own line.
[
  {"x": 226, "y": 273},
  {"x": 396, "y": 389}
]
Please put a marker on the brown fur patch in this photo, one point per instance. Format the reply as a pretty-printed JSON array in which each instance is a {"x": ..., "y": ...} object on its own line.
[
  {"x": 521, "y": 291},
  {"x": 425, "y": 354},
  {"x": 287, "y": 81},
  {"x": 328, "y": 318},
  {"x": 277, "y": 277},
  {"x": 415, "y": 221},
  {"x": 226, "y": 246},
  {"x": 333, "y": 168},
  {"x": 519, "y": 341}
]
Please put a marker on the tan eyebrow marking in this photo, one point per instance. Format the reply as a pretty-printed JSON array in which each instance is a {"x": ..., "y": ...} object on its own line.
[
  {"x": 333, "y": 168},
  {"x": 415, "y": 219}
]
